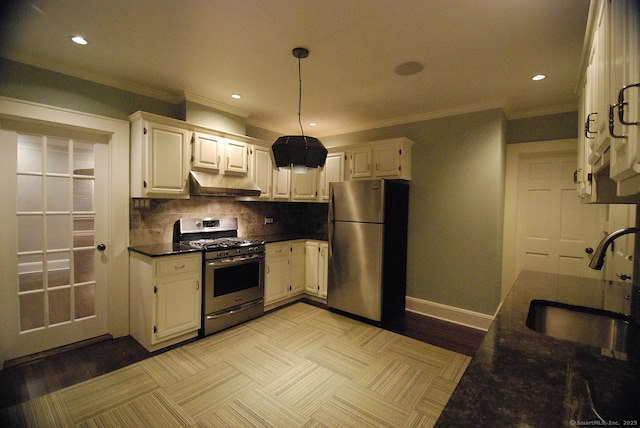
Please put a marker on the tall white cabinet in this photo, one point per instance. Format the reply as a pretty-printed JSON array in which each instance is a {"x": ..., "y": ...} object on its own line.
[{"x": 610, "y": 98}]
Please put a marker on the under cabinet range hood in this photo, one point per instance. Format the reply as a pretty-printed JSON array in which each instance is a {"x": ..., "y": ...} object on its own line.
[{"x": 204, "y": 183}]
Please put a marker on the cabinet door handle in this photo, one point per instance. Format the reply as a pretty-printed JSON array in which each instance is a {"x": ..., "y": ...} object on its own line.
[
  {"x": 587, "y": 126},
  {"x": 197, "y": 285},
  {"x": 622, "y": 103},
  {"x": 179, "y": 267},
  {"x": 612, "y": 122}
]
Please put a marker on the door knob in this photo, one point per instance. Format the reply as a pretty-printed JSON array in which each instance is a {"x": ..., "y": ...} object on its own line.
[
  {"x": 101, "y": 247},
  {"x": 588, "y": 250},
  {"x": 624, "y": 276}
]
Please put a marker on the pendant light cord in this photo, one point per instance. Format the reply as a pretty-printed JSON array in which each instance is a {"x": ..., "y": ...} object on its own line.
[{"x": 300, "y": 97}]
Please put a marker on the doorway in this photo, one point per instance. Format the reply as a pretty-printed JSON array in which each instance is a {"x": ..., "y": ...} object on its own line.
[
  {"x": 64, "y": 275},
  {"x": 61, "y": 231},
  {"x": 546, "y": 226}
]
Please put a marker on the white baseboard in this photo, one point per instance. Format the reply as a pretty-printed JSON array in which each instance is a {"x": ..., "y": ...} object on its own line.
[{"x": 464, "y": 317}]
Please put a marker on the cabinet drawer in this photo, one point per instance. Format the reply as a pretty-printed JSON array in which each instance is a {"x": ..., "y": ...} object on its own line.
[{"x": 173, "y": 265}]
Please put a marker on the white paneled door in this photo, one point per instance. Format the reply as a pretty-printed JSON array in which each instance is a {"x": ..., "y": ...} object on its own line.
[
  {"x": 554, "y": 227},
  {"x": 60, "y": 294}
]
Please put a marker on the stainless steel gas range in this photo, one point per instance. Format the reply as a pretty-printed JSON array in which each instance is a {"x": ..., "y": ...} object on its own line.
[{"x": 233, "y": 270}]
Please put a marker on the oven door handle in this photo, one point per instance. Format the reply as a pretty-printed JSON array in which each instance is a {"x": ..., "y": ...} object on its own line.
[
  {"x": 235, "y": 309},
  {"x": 234, "y": 260}
]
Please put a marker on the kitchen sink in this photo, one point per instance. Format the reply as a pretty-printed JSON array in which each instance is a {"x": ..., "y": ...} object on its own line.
[{"x": 596, "y": 327}]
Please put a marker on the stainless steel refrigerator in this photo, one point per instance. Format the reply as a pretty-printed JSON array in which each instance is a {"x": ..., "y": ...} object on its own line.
[{"x": 368, "y": 248}]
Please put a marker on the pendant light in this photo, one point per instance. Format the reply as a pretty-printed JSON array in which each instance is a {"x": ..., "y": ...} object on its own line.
[{"x": 299, "y": 152}]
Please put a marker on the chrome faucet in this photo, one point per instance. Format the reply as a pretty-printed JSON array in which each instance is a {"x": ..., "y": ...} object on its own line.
[{"x": 598, "y": 257}]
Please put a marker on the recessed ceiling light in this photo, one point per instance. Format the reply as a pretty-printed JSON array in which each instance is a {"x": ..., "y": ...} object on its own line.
[
  {"x": 79, "y": 40},
  {"x": 538, "y": 77},
  {"x": 236, "y": 96},
  {"x": 409, "y": 68},
  {"x": 312, "y": 124}
]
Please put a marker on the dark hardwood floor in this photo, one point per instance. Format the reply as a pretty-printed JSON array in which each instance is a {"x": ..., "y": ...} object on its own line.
[{"x": 32, "y": 377}]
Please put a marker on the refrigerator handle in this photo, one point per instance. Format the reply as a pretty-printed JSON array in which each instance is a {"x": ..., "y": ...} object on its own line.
[{"x": 330, "y": 221}]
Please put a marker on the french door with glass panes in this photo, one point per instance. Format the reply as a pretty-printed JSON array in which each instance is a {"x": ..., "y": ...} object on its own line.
[{"x": 61, "y": 201}]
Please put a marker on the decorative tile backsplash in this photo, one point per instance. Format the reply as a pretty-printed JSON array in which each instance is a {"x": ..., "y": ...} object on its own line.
[{"x": 154, "y": 224}]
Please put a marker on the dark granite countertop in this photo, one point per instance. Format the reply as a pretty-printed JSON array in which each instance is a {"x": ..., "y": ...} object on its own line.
[
  {"x": 288, "y": 237},
  {"x": 521, "y": 378},
  {"x": 167, "y": 249},
  {"x": 159, "y": 250}
]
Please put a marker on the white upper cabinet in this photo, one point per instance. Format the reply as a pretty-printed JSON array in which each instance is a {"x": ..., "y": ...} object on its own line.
[
  {"x": 281, "y": 184},
  {"x": 360, "y": 162},
  {"x": 235, "y": 156},
  {"x": 262, "y": 170},
  {"x": 332, "y": 171},
  {"x": 624, "y": 19},
  {"x": 304, "y": 187},
  {"x": 207, "y": 152},
  {"x": 610, "y": 97},
  {"x": 217, "y": 154},
  {"x": 386, "y": 158},
  {"x": 160, "y": 155}
]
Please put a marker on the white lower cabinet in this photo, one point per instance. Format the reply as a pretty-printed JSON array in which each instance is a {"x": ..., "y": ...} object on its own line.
[
  {"x": 294, "y": 268},
  {"x": 284, "y": 276},
  {"x": 316, "y": 268},
  {"x": 166, "y": 295}
]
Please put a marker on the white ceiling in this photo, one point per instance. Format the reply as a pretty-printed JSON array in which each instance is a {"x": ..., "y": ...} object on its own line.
[{"x": 476, "y": 54}]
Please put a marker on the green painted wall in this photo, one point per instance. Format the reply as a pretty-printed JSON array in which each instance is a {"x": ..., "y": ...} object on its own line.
[
  {"x": 29, "y": 83},
  {"x": 543, "y": 128},
  {"x": 455, "y": 207}
]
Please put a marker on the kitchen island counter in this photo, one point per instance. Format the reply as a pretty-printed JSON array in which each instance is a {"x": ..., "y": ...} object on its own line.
[{"x": 522, "y": 378}]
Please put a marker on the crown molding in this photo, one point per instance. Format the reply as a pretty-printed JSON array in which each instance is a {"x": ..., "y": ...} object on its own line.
[
  {"x": 208, "y": 102},
  {"x": 544, "y": 111}
]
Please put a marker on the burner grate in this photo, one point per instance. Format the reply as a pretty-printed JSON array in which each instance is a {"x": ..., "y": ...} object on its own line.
[{"x": 217, "y": 243}]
